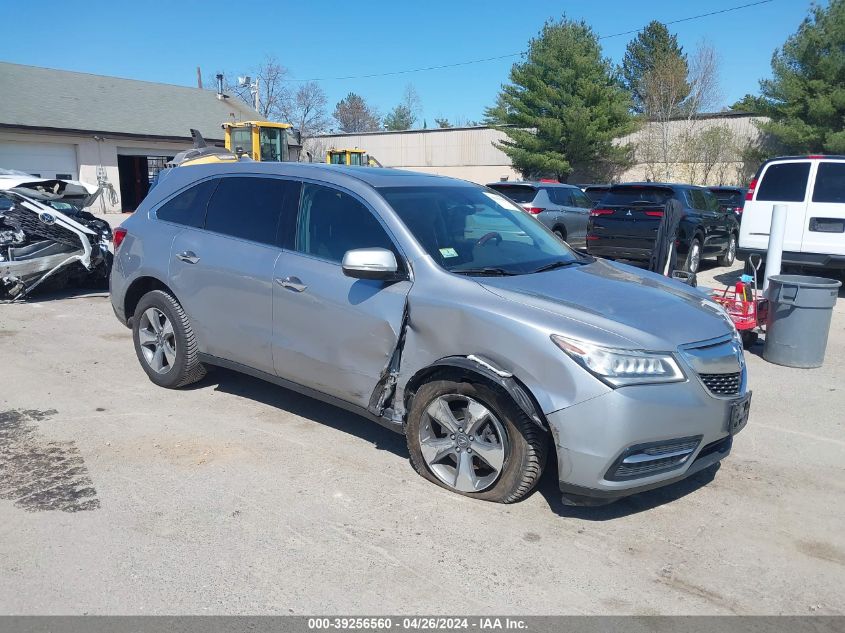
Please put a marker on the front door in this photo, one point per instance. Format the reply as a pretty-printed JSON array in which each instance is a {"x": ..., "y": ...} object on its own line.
[{"x": 333, "y": 333}]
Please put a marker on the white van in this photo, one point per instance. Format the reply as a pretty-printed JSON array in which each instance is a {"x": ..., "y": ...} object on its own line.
[{"x": 813, "y": 188}]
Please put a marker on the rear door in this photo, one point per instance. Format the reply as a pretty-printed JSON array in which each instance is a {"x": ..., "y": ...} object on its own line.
[
  {"x": 331, "y": 332},
  {"x": 223, "y": 271},
  {"x": 781, "y": 182},
  {"x": 575, "y": 206},
  {"x": 824, "y": 230}
]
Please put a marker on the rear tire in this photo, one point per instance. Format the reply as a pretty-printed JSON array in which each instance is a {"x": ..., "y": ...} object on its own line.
[
  {"x": 485, "y": 419},
  {"x": 729, "y": 256},
  {"x": 165, "y": 342},
  {"x": 693, "y": 261},
  {"x": 561, "y": 233}
]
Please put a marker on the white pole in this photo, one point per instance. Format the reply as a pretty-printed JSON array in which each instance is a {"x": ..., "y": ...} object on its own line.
[{"x": 777, "y": 232}]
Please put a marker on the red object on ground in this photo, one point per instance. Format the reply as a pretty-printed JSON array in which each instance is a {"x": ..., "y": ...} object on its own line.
[{"x": 746, "y": 310}]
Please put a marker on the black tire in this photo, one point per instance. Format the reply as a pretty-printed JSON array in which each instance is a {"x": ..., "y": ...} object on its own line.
[
  {"x": 729, "y": 256},
  {"x": 186, "y": 367},
  {"x": 560, "y": 232},
  {"x": 691, "y": 265},
  {"x": 749, "y": 338},
  {"x": 527, "y": 442}
]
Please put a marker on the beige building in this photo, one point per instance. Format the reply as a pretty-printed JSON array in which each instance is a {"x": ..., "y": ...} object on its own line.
[{"x": 706, "y": 149}]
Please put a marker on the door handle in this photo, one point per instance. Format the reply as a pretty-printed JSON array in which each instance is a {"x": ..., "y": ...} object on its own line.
[
  {"x": 189, "y": 257},
  {"x": 292, "y": 283}
]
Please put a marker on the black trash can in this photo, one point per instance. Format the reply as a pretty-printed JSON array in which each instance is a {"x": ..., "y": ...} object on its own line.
[{"x": 800, "y": 309}]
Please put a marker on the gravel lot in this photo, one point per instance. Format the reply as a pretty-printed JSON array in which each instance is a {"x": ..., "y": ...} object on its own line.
[{"x": 236, "y": 496}]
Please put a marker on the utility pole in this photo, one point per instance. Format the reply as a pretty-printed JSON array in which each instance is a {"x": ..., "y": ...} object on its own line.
[{"x": 199, "y": 78}]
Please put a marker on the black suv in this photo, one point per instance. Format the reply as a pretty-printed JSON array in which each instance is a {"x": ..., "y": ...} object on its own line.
[{"x": 624, "y": 224}]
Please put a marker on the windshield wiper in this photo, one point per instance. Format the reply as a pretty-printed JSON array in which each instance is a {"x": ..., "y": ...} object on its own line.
[
  {"x": 558, "y": 264},
  {"x": 487, "y": 271}
]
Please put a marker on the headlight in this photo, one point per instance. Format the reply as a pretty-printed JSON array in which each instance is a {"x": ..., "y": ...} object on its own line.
[{"x": 619, "y": 367}]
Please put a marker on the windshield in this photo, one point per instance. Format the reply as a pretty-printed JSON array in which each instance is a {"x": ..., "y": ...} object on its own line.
[
  {"x": 728, "y": 197},
  {"x": 273, "y": 141},
  {"x": 517, "y": 193},
  {"x": 472, "y": 230},
  {"x": 636, "y": 196}
]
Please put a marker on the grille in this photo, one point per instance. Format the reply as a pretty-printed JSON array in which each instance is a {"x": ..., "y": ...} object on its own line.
[
  {"x": 722, "y": 384},
  {"x": 28, "y": 222}
]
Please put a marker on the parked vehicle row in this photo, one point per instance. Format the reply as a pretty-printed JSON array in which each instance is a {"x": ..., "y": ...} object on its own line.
[
  {"x": 441, "y": 310},
  {"x": 621, "y": 221}
]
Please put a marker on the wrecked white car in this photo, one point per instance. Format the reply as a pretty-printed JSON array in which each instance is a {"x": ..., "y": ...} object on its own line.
[{"x": 45, "y": 234}]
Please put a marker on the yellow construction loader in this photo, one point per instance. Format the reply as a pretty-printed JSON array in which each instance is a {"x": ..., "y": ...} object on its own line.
[
  {"x": 353, "y": 156},
  {"x": 263, "y": 141}
]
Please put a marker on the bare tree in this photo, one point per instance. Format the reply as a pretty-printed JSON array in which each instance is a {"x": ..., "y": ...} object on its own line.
[
  {"x": 674, "y": 96},
  {"x": 306, "y": 110},
  {"x": 269, "y": 79}
]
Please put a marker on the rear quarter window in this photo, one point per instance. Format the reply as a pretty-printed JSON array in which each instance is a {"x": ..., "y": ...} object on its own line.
[
  {"x": 517, "y": 193},
  {"x": 784, "y": 182},
  {"x": 830, "y": 183},
  {"x": 188, "y": 207}
]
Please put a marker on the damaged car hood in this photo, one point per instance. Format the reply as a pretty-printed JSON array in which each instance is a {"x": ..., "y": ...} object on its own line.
[
  {"x": 74, "y": 192},
  {"x": 650, "y": 311}
]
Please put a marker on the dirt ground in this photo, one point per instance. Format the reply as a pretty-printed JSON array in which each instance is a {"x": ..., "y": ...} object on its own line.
[{"x": 236, "y": 496}]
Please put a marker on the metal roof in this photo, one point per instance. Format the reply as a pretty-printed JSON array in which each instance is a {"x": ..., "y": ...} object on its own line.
[{"x": 44, "y": 98}]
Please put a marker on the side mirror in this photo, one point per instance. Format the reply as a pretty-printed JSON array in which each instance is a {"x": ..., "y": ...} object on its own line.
[{"x": 370, "y": 263}]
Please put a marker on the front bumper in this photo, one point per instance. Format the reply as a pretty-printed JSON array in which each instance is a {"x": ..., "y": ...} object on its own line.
[{"x": 592, "y": 438}]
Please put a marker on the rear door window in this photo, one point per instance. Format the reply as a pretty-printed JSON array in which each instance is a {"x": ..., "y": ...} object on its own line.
[
  {"x": 580, "y": 199},
  {"x": 250, "y": 207},
  {"x": 188, "y": 208},
  {"x": 784, "y": 182},
  {"x": 561, "y": 196},
  {"x": 830, "y": 183},
  {"x": 517, "y": 193}
]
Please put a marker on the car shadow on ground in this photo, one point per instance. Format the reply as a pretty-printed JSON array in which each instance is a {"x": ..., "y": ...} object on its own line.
[
  {"x": 242, "y": 385},
  {"x": 60, "y": 294},
  {"x": 626, "y": 506}
]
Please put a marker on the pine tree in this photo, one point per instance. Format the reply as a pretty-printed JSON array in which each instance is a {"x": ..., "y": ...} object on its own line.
[
  {"x": 654, "y": 46},
  {"x": 564, "y": 107}
]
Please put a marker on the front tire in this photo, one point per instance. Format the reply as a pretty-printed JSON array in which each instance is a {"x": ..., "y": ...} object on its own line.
[
  {"x": 165, "y": 342},
  {"x": 472, "y": 438}
]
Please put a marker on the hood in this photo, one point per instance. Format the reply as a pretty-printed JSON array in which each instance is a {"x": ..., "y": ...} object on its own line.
[
  {"x": 650, "y": 311},
  {"x": 74, "y": 192}
]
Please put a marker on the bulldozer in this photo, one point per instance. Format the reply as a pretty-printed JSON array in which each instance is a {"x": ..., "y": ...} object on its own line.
[{"x": 353, "y": 156}]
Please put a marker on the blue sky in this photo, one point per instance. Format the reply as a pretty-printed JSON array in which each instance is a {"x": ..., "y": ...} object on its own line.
[{"x": 164, "y": 42}]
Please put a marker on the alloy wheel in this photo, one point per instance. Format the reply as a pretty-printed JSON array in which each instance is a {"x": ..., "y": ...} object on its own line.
[
  {"x": 694, "y": 257},
  {"x": 463, "y": 443},
  {"x": 157, "y": 340}
]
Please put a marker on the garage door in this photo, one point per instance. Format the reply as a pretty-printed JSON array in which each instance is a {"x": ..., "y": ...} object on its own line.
[{"x": 47, "y": 160}]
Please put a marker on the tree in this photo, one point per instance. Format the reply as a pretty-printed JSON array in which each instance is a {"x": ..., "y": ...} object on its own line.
[
  {"x": 564, "y": 107},
  {"x": 353, "y": 114},
  {"x": 404, "y": 115},
  {"x": 674, "y": 93},
  {"x": 653, "y": 46},
  {"x": 805, "y": 98},
  {"x": 270, "y": 79},
  {"x": 442, "y": 122},
  {"x": 306, "y": 110}
]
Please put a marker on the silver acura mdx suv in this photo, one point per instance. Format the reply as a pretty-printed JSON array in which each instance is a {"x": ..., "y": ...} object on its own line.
[{"x": 439, "y": 309}]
